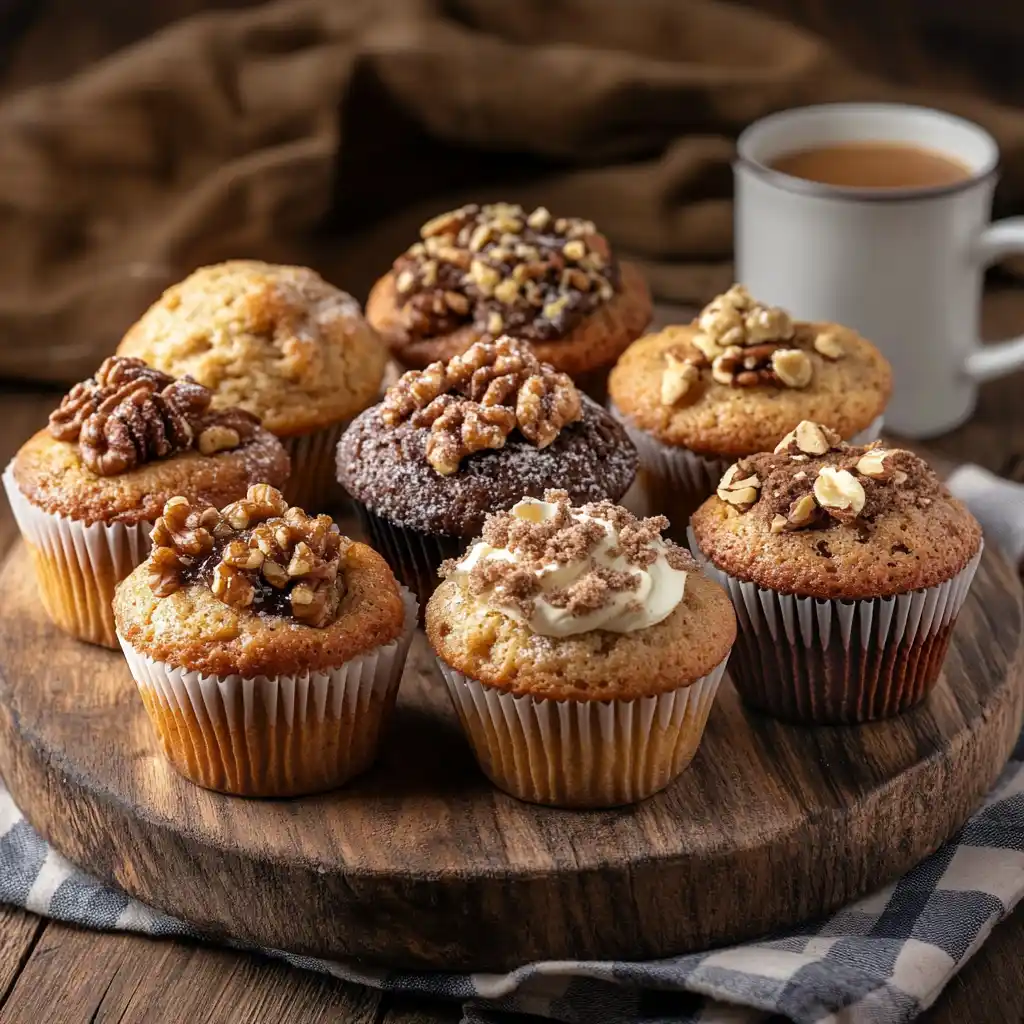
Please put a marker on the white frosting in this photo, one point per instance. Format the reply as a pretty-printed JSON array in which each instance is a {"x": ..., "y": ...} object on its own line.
[{"x": 659, "y": 590}]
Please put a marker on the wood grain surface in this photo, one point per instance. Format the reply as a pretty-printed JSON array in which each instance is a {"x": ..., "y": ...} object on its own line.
[
  {"x": 989, "y": 990},
  {"x": 422, "y": 863}
]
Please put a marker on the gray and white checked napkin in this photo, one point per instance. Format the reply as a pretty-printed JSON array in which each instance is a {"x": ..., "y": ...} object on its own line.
[{"x": 882, "y": 960}]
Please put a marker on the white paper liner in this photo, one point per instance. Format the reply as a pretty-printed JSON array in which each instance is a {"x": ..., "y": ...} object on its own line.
[
  {"x": 572, "y": 753},
  {"x": 881, "y": 623},
  {"x": 313, "y": 482},
  {"x": 84, "y": 563},
  {"x": 679, "y": 479},
  {"x": 340, "y": 713}
]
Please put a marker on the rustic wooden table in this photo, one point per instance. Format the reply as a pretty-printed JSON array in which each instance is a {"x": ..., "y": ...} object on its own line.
[{"x": 55, "y": 973}]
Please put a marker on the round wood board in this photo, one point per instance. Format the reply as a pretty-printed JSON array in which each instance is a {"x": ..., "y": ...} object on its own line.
[{"x": 421, "y": 863}]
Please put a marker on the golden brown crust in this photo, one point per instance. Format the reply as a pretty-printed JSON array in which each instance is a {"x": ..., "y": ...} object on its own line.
[
  {"x": 596, "y": 342},
  {"x": 194, "y": 630},
  {"x": 907, "y": 549},
  {"x": 847, "y": 395},
  {"x": 500, "y": 652},
  {"x": 278, "y": 341},
  {"x": 52, "y": 475}
]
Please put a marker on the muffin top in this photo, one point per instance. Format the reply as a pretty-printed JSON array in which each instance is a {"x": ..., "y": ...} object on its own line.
[
  {"x": 277, "y": 341},
  {"x": 743, "y": 374},
  {"x": 482, "y": 271},
  {"x": 127, "y": 439},
  {"x": 455, "y": 441},
  {"x": 256, "y": 588},
  {"x": 822, "y": 518},
  {"x": 582, "y": 603}
]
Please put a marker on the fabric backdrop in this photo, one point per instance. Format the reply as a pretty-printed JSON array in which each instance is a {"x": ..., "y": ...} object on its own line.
[{"x": 324, "y": 131}]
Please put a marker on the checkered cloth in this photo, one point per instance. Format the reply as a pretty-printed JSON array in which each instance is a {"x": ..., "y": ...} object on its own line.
[{"x": 882, "y": 960}]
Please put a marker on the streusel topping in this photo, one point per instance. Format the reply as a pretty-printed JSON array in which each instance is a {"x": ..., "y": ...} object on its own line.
[
  {"x": 504, "y": 270},
  {"x": 256, "y": 553},
  {"x": 565, "y": 570},
  {"x": 477, "y": 399},
  {"x": 815, "y": 481},
  {"x": 129, "y": 414}
]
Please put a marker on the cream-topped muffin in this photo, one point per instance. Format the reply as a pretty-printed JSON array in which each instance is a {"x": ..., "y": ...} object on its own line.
[
  {"x": 733, "y": 383},
  {"x": 277, "y": 341},
  {"x": 582, "y": 651}
]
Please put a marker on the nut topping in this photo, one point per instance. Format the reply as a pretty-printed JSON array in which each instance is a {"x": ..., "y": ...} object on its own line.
[
  {"x": 255, "y": 553},
  {"x": 838, "y": 489},
  {"x": 793, "y": 367},
  {"x": 473, "y": 265},
  {"x": 828, "y": 345},
  {"x": 809, "y": 438},
  {"x": 873, "y": 464},
  {"x": 678, "y": 378},
  {"x": 129, "y": 414},
  {"x": 477, "y": 399},
  {"x": 738, "y": 492}
]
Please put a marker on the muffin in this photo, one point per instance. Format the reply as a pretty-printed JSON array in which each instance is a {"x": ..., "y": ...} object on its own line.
[
  {"x": 453, "y": 442},
  {"x": 848, "y": 565},
  {"x": 582, "y": 652},
  {"x": 86, "y": 490},
  {"x": 734, "y": 383},
  {"x": 483, "y": 271},
  {"x": 277, "y": 341},
  {"x": 267, "y": 647}
]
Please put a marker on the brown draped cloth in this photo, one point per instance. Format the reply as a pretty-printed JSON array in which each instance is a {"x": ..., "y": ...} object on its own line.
[{"x": 325, "y": 131}]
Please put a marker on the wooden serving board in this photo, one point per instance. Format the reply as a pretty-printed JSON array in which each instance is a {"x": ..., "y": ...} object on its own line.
[{"x": 421, "y": 863}]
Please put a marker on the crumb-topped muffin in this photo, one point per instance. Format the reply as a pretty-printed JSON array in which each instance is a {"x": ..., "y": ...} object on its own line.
[
  {"x": 582, "y": 651},
  {"x": 458, "y": 440},
  {"x": 848, "y": 565},
  {"x": 484, "y": 271},
  {"x": 277, "y": 341},
  {"x": 86, "y": 490},
  {"x": 733, "y": 383},
  {"x": 267, "y": 647}
]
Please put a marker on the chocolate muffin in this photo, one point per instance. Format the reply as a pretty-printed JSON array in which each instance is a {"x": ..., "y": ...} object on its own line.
[
  {"x": 86, "y": 490},
  {"x": 267, "y": 648},
  {"x": 581, "y": 650},
  {"x": 695, "y": 398},
  {"x": 847, "y": 565},
  {"x": 483, "y": 271},
  {"x": 456, "y": 441}
]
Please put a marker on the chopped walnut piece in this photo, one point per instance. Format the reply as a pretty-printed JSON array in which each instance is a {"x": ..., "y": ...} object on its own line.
[
  {"x": 808, "y": 438},
  {"x": 742, "y": 492},
  {"x": 479, "y": 398},
  {"x": 256, "y": 553},
  {"x": 803, "y": 511},
  {"x": 129, "y": 414},
  {"x": 829, "y": 345},
  {"x": 793, "y": 367},
  {"x": 678, "y": 378},
  {"x": 878, "y": 464}
]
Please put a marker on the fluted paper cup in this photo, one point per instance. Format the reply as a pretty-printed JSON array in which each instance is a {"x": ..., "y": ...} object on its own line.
[
  {"x": 312, "y": 485},
  {"x": 675, "y": 481},
  {"x": 274, "y": 736},
  {"x": 822, "y": 662},
  {"x": 575, "y": 753},
  {"x": 414, "y": 556},
  {"x": 78, "y": 564}
]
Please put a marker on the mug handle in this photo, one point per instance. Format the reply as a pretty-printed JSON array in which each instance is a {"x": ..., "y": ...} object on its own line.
[{"x": 1004, "y": 238}]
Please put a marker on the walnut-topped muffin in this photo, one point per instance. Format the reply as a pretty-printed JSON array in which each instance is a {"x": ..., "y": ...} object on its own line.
[
  {"x": 842, "y": 547},
  {"x": 290, "y": 635},
  {"x": 86, "y": 489},
  {"x": 458, "y": 440},
  {"x": 483, "y": 271},
  {"x": 733, "y": 383},
  {"x": 582, "y": 651},
  {"x": 277, "y": 341}
]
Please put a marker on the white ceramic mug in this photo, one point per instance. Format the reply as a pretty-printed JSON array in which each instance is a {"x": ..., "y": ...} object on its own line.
[{"x": 903, "y": 266}]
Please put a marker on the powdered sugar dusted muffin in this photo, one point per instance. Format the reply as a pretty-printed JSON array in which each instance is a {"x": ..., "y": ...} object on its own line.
[
  {"x": 733, "y": 383},
  {"x": 267, "y": 647},
  {"x": 848, "y": 565},
  {"x": 581, "y": 650},
  {"x": 277, "y": 341},
  {"x": 86, "y": 490},
  {"x": 483, "y": 271},
  {"x": 453, "y": 442}
]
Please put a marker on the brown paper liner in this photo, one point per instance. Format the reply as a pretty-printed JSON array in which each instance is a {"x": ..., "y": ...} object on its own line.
[{"x": 313, "y": 484}]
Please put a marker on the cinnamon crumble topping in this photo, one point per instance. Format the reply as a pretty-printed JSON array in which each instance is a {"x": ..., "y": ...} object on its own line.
[
  {"x": 129, "y": 414},
  {"x": 504, "y": 270},
  {"x": 255, "y": 553},
  {"x": 478, "y": 398}
]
